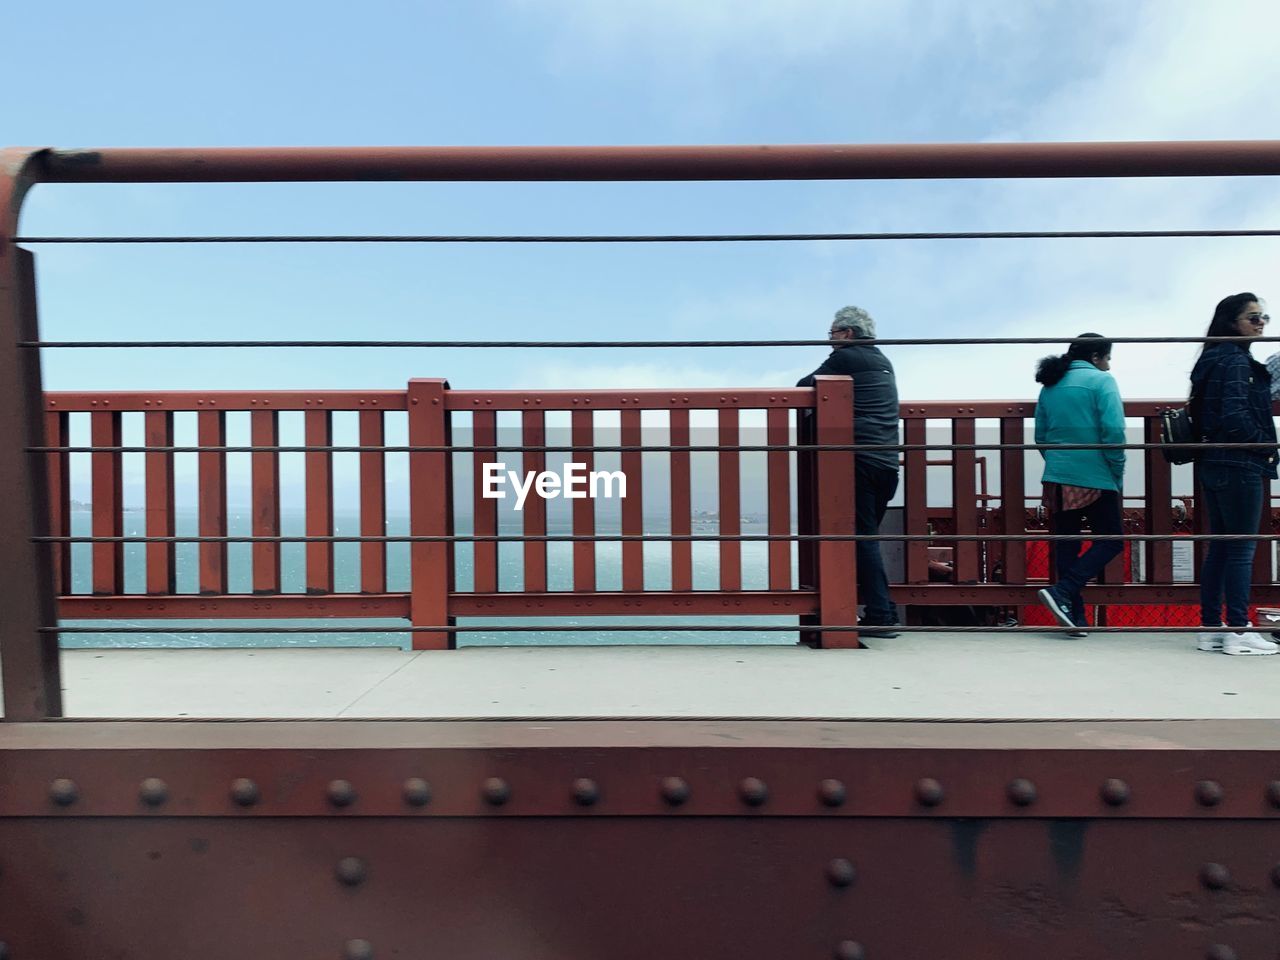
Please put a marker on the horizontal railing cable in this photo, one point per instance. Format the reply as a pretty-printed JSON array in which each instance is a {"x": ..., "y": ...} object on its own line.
[
  {"x": 607, "y": 344},
  {"x": 516, "y": 447},
  {"x": 621, "y": 628},
  {"x": 656, "y": 237},
  {"x": 666, "y": 538}
]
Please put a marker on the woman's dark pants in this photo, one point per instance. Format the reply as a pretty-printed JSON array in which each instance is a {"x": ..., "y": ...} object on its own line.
[{"x": 1233, "y": 499}]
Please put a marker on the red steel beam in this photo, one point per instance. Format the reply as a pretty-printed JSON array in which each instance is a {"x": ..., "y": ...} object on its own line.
[
  {"x": 625, "y": 399},
  {"x": 587, "y": 163},
  {"x": 134, "y": 400}
]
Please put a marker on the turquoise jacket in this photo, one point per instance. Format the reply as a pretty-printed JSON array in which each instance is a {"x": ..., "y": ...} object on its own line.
[{"x": 1083, "y": 407}]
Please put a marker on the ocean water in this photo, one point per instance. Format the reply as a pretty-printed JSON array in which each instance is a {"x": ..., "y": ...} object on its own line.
[{"x": 657, "y": 567}]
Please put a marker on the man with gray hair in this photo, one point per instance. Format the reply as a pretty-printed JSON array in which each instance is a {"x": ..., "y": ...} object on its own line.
[{"x": 875, "y": 421}]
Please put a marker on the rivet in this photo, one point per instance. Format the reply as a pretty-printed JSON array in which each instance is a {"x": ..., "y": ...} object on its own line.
[
  {"x": 1215, "y": 876},
  {"x": 341, "y": 793},
  {"x": 586, "y": 792},
  {"x": 64, "y": 792},
  {"x": 416, "y": 792},
  {"x": 351, "y": 871},
  {"x": 357, "y": 950},
  {"x": 1209, "y": 793},
  {"x": 1273, "y": 793},
  {"x": 415, "y": 400},
  {"x": 1220, "y": 951},
  {"x": 929, "y": 791},
  {"x": 675, "y": 790},
  {"x": 840, "y": 872},
  {"x": 1115, "y": 793},
  {"x": 1023, "y": 792},
  {"x": 849, "y": 950},
  {"x": 496, "y": 791},
  {"x": 244, "y": 792},
  {"x": 753, "y": 791},
  {"x": 153, "y": 791},
  {"x": 831, "y": 792}
]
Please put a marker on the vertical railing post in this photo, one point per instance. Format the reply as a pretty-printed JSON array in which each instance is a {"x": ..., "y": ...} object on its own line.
[
  {"x": 430, "y": 514},
  {"x": 1158, "y": 497},
  {"x": 1013, "y": 499},
  {"x": 32, "y": 681},
  {"x": 835, "y": 512},
  {"x": 806, "y": 520},
  {"x": 915, "y": 501}
]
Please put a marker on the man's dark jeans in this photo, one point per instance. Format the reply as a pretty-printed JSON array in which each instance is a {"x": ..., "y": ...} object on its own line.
[
  {"x": 874, "y": 487},
  {"x": 1233, "y": 498},
  {"x": 1074, "y": 569}
]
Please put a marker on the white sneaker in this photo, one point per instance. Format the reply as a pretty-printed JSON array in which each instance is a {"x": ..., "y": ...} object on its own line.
[
  {"x": 1247, "y": 645},
  {"x": 1211, "y": 640}
]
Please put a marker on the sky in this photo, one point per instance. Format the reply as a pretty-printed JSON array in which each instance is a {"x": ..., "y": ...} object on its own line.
[{"x": 566, "y": 72}]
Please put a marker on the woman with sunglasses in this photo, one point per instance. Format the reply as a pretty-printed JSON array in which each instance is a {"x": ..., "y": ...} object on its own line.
[{"x": 1232, "y": 395}]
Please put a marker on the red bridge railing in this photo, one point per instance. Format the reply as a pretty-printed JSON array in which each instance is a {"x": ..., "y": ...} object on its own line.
[{"x": 983, "y": 571}]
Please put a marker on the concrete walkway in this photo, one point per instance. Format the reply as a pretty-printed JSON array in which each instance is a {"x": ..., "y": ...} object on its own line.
[{"x": 932, "y": 676}]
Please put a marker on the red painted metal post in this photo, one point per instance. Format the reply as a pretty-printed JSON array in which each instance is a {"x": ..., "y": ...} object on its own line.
[
  {"x": 1159, "y": 501},
  {"x": 430, "y": 514},
  {"x": 160, "y": 519},
  {"x": 807, "y": 519},
  {"x": 264, "y": 431},
  {"x": 484, "y": 510},
  {"x": 915, "y": 500},
  {"x": 211, "y": 431},
  {"x": 730, "y": 502},
  {"x": 778, "y": 433},
  {"x": 534, "y": 434},
  {"x": 834, "y": 486},
  {"x": 584, "y": 512},
  {"x": 58, "y": 465},
  {"x": 108, "y": 509},
  {"x": 964, "y": 499},
  {"x": 318, "y": 469},
  {"x": 633, "y": 504},
  {"x": 373, "y": 503},
  {"x": 681, "y": 504},
  {"x": 32, "y": 679},
  {"x": 1013, "y": 496}
]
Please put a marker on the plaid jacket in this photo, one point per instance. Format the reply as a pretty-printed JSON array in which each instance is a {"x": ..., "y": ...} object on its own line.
[{"x": 1234, "y": 401}]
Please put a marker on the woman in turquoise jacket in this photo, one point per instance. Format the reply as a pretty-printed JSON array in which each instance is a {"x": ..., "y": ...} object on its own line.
[{"x": 1080, "y": 403}]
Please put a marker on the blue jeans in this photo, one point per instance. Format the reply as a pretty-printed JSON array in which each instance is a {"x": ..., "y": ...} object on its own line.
[
  {"x": 874, "y": 487},
  {"x": 1075, "y": 569},
  {"x": 1233, "y": 499}
]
